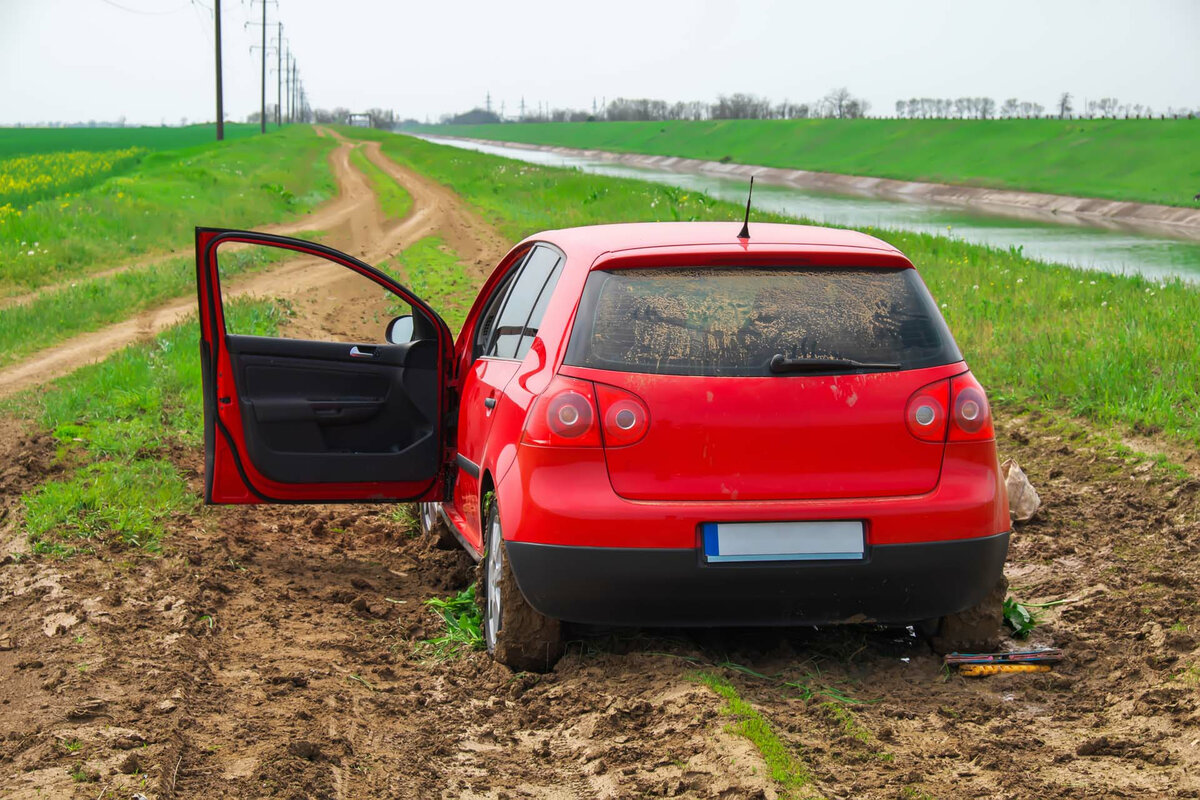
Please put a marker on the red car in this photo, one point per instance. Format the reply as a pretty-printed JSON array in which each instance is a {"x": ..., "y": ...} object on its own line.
[{"x": 644, "y": 424}]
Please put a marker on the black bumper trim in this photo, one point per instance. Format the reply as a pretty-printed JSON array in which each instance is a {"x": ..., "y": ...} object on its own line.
[{"x": 893, "y": 584}]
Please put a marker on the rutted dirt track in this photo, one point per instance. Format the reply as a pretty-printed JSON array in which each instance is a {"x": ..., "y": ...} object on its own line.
[
  {"x": 272, "y": 652},
  {"x": 354, "y": 225}
]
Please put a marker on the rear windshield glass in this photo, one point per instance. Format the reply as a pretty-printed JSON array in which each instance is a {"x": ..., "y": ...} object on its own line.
[{"x": 733, "y": 321}]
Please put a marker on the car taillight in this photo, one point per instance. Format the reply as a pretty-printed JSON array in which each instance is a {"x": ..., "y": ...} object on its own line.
[
  {"x": 625, "y": 417},
  {"x": 971, "y": 420},
  {"x": 926, "y": 412},
  {"x": 564, "y": 415}
]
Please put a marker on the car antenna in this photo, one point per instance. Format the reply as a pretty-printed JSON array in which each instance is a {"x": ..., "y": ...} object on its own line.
[{"x": 745, "y": 232}]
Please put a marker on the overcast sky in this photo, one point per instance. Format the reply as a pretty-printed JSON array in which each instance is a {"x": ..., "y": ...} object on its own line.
[{"x": 151, "y": 61}]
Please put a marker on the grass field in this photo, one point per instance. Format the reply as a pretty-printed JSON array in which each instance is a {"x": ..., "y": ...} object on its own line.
[
  {"x": 27, "y": 141},
  {"x": 431, "y": 269},
  {"x": 1112, "y": 349},
  {"x": 116, "y": 423},
  {"x": 1150, "y": 161},
  {"x": 154, "y": 207}
]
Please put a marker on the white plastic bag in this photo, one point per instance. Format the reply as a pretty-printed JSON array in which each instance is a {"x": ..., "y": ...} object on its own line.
[{"x": 1023, "y": 500}]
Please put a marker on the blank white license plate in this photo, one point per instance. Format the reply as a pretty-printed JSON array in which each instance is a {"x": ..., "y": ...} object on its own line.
[{"x": 783, "y": 541}]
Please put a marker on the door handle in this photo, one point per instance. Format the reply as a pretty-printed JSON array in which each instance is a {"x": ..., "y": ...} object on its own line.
[
  {"x": 364, "y": 352},
  {"x": 489, "y": 402}
]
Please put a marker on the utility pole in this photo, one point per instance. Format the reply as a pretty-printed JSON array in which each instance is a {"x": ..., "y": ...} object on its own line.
[
  {"x": 220, "y": 99},
  {"x": 489, "y": 101},
  {"x": 279, "y": 76},
  {"x": 262, "y": 121},
  {"x": 289, "y": 84}
]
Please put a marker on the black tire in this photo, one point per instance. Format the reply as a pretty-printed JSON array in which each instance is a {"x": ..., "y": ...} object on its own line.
[
  {"x": 976, "y": 630},
  {"x": 434, "y": 529},
  {"x": 516, "y": 635}
]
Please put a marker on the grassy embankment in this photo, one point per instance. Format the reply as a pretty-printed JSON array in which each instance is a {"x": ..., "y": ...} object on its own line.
[
  {"x": 1114, "y": 349},
  {"x": 244, "y": 183},
  {"x": 1149, "y": 161}
]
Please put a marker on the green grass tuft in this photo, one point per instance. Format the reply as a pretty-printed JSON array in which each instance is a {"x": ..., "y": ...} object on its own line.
[
  {"x": 394, "y": 201},
  {"x": 107, "y": 500},
  {"x": 785, "y": 768},
  {"x": 434, "y": 273},
  {"x": 464, "y": 626}
]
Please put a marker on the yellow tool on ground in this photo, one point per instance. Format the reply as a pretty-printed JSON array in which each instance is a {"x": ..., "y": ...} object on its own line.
[{"x": 983, "y": 670}]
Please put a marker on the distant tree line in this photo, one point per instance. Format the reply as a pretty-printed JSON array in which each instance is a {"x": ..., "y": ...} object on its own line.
[
  {"x": 1014, "y": 108},
  {"x": 839, "y": 103}
]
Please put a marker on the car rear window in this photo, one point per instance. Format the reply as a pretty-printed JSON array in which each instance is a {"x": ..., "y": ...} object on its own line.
[{"x": 732, "y": 321}]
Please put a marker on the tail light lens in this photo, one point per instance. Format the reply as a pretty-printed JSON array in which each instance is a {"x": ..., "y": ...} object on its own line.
[
  {"x": 564, "y": 415},
  {"x": 926, "y": 413},
  {"x": 971, "y": 419},
  {"x": 625, "y": 417}
]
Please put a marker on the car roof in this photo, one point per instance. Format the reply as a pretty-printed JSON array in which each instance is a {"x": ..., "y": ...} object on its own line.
[{"x": 590, "y": 241}]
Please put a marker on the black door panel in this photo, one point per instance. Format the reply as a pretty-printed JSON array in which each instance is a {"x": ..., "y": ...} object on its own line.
[{"x": 320, "y": 412}]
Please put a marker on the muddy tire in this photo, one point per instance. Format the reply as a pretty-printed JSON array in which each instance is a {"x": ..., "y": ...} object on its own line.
[
  {"x": 515, "y": 634},
  {"x": 434, "y": 529},
  {"x": 975, "y": 630}
]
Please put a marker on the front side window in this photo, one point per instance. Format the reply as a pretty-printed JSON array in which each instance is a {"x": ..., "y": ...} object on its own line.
[
  {"x": 734, "y": 321},
  {"x": 515, "y": 324}
]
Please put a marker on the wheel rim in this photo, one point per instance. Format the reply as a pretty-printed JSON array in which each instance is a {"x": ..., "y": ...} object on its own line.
[
  {"x": 427, "y": 517},
  {"x": 495, "y": 566}
]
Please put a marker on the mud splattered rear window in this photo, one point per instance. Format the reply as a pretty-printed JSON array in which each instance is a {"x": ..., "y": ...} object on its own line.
[{"x": 733, "y": 321}]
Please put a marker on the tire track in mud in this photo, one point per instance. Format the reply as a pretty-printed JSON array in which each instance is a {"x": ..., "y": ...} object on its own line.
[{"x": 355, "y": 226}]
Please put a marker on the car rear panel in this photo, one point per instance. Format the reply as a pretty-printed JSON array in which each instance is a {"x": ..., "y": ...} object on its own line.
[
  {"x": 695, "y": 344},
  {"x": 780, "y": 438}
]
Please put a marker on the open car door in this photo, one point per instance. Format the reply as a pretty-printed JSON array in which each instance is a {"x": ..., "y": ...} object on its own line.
[{"x": 287, "y": 420}]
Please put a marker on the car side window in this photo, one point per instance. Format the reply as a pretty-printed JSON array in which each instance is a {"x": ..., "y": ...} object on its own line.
[
  {"x": 512, "y": 323},
  {"x": 539, "y": 310},
  {"x": 487, "y": 321}
]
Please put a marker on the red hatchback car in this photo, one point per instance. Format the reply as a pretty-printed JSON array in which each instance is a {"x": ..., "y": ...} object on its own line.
[{"x": 644, "y": 424}]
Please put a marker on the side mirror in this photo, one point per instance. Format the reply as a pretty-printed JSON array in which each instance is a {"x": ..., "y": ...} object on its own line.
[{"x": 400, "y": 330}]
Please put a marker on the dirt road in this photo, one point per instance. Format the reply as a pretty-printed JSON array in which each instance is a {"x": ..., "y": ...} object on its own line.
[
  {"x": 274, "y": 652},
  {"x": 353, "y": 223}
]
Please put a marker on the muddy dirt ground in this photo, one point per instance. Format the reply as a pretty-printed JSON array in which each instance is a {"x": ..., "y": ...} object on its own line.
[{"x": 273, "y": 652}]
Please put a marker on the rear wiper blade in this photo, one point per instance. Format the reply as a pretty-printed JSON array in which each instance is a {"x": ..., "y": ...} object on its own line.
[{"x": 781, "y": 363}]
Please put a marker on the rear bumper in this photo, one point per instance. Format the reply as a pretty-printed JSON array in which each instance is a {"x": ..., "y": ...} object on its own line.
[{"x": 894, "y": 583}]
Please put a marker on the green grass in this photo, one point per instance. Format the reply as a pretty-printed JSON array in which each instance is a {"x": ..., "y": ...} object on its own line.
[
  {"x": 155, "y": 206},
  {"x": 55, "y": 316},
  {"x": 432, "y": 270},
  {"x": 116, "y": 423},
  {"x": 1151, "y": 161},
  {"x": 1116, "y": 350},
  {"x": 788, "y": 771},
  {"x": 394, "y": 201},
  {"x": 27, "y": 141},
  {"x": 464, "y": 625}
]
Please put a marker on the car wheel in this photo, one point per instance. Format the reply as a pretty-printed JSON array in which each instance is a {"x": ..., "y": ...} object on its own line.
[
  {"x": 516, "y": 635},
  {"x": 434, "y": 529},
  {"x": 972, "y": 631}
]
